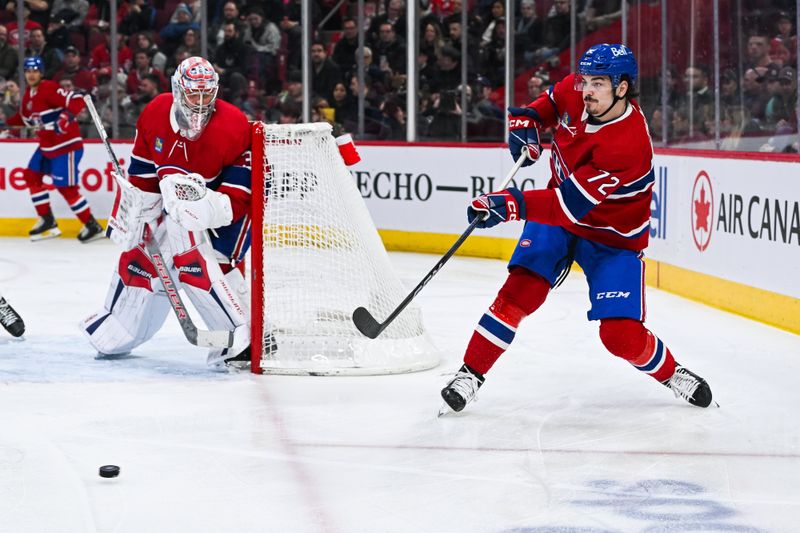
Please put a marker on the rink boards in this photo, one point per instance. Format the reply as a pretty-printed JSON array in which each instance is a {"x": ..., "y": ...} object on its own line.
[{"x": 724, "y": 230}]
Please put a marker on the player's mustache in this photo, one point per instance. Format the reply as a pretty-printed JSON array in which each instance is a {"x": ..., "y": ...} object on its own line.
[{"x": 589, "y": 99}]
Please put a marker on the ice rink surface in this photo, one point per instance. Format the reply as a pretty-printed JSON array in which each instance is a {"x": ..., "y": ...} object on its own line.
[{"x": 564, "y": 438}]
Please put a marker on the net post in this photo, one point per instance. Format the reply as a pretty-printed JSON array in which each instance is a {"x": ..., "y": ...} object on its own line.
[{"x": 257, "y": 246}]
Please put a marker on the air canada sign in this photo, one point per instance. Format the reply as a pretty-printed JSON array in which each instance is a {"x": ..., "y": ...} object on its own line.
[{"x": 754, "y": 216}]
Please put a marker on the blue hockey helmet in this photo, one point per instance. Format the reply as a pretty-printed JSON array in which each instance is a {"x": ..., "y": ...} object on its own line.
[
  {"x": 614, "y": 60},
  {"x": 33, "y": 63}
]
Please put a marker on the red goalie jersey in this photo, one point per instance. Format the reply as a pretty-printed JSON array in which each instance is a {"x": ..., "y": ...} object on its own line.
[
  {"x": 41, "y": 109},
  {"x": 602, "y": 173},
  {"x": 221, "y": 154}
]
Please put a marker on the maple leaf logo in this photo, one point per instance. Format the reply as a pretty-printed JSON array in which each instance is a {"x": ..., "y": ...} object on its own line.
[{"x": 701, "y": 210}]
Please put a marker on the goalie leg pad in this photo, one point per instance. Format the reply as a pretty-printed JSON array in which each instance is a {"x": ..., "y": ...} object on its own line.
[
  {"x": 133, "y": 312},
  {"x": 220, "y": 299},
  {"x": 630, "y": 340},
  {"x": 522, "y": 293}
]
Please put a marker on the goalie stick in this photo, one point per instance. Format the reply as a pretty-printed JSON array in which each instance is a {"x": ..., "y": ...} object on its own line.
[
  {"x": 198, "y": 337},
  {"x": 363, "y": 319}
]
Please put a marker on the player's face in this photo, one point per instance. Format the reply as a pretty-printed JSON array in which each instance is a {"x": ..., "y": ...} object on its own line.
[
  {"x": 33, "y": 77},
  {"x": 597, "y": 93}
]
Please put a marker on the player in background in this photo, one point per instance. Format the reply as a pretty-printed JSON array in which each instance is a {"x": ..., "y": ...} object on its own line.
[
  {"x": 51, "y": 110},
  {"x": 10, "y": 319},
  {"x": 191, "y": 158},
  {"x": 595, "y": 211}
]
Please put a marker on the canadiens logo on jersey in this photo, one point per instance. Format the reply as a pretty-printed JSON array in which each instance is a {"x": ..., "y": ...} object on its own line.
[{"x": 159, "y": 145}]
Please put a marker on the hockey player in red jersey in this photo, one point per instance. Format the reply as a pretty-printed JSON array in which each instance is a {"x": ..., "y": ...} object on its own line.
[
  {"x": 595, "y": 211},
  {"x": 191, "y": 159},
  {"x": 51, "y": 111}
]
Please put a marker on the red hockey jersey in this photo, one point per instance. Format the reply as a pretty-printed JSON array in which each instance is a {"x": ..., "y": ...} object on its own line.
[
  {"x": 221, "y": 155},
  {"x": 40, "y": 109},
  {"x": 602, "y": 173}
]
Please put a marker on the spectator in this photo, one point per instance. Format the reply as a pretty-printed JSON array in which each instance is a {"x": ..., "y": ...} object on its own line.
[
  {"x": 148, "y": 89},
  {"x": 141, "y": 68},
  {"x": 536, "y": 85},
  {"x": 172, "y": 33},
  {"x": 729, "y": 88},
  {"x": 784, "y": 36},
  {"x": 190, "y": 43},
  {"x": 8, "y": 56},
  {"x": 230, "y": 15},
  {"x": 757, "y": 51},
  {"x": 498, "y": 13},
  {"x": 432, "y": 41},
  {"x": 391, "y": 53},
  {"x": 394, "y": 16},
  {"x": 780, "y": 108},
  {"x": 28, "y": 25},
  {"x": 449, "y": 76},
  {"x": 754, "y": 96},
  {"x": 682, "y": 131},
  {"x": 527, "y": 33},
  {"x": 455, "y": 32},
  {"x": 446, "y": 122},
  {"x": 325, "y": 74},
  {"x": 81, "y": 77},
  {"x": 600, "y": 13},
  {"x": 51, "y": 55},
  {"x": 556, "y": 30},
  {"x": 394, "y": 119},
  {"x": 141, "y": 16},
  {"x": 293, "y": 91},
  {"x": 39, "y": 11},
  {"x": 427, "y": 70},
  {"x": 484, "y": 107},
  {"x": 144, "y": 41},
  {"x": 345, "y": 106},
  {"x": 344, "y": 51},
  {"x": 101, "y": 54},
  {"x": 231, "y": 59},
  {"x": 778, "y": 54},
  {"x": 698, "y": 94},
  {"x": 493, "y": 55},
  {"x": 264, "y": 38}
]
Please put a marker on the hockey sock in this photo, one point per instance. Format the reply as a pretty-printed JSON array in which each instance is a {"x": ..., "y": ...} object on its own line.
[
  {"x": 76, "y": 202},
  {"x": 630, "y": 340},
  {"x": 39, "y": 194},
  {"x": 521, "y": 295}
]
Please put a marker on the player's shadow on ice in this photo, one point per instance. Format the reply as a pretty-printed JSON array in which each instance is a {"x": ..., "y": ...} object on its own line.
[{"x": 115, "y": 356}]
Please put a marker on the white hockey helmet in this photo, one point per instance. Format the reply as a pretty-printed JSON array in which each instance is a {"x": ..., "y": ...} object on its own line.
[{"x": 194, "y": 91}]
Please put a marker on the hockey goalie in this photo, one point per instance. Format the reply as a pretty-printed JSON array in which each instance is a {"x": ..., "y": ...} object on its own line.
[{"x": 189, "y": 189}]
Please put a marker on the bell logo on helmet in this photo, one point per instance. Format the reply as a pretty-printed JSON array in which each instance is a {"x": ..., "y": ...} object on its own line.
[{"x": 618, "y": 52}]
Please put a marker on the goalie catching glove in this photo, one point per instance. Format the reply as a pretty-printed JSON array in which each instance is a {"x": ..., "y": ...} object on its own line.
[
  {"x": 496, "y": 207},
  {"x": 192, "y": 205}
]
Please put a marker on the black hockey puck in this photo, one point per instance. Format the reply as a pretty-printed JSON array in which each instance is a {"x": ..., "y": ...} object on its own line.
[{"x": 109, "y": 471}]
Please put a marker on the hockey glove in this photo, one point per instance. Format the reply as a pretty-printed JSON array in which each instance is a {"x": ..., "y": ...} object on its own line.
[
  {"x": 192, "y": 205},
  {"x": 497, "y": 207},
  {"x": 523, "y": 131},
  {"x": 63, "y": 121}
]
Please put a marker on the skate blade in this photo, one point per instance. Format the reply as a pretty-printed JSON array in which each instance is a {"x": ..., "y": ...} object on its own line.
[
  {"x": 444, "y": 410},
  {"x": 49, "y": 234}
]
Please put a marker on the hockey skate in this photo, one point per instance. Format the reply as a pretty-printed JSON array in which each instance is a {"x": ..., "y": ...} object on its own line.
[
  {"x": 45, "y": 228},
  {"x": 91, "y": 231},
  {"x": 242, "y": 360},
  {"x": 689, "y": 386},
  {"x": 461, "y": 390},
  {"x": 11, "y": 319}
]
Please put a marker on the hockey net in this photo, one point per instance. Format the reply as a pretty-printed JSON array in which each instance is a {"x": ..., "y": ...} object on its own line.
[{"x": 316, "y": 257}]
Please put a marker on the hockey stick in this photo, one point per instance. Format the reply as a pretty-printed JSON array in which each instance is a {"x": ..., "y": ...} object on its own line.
[
  {"x": 364, "y": 320},
  {"x": 198, "y": 337}
]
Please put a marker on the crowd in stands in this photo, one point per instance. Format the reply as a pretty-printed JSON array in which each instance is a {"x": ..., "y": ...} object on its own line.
[{"x": 255, "y": 45}]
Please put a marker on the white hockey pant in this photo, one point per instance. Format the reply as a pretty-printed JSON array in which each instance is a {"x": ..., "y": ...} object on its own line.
[{"x": 136, "y": 304}]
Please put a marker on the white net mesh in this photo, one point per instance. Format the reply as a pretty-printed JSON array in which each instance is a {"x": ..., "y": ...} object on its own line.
[{"x": 323, "y": 258}]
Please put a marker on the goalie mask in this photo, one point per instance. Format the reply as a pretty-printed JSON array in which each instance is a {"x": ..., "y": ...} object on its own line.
[{"x": 194, "y": 91}]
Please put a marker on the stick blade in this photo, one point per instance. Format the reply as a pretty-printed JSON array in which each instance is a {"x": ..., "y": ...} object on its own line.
[
  {"x": 214, "y": 339},
  {"x": 366, "y": 324}
]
